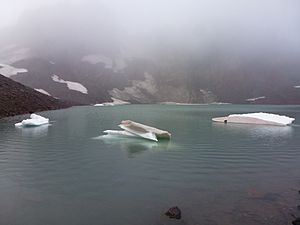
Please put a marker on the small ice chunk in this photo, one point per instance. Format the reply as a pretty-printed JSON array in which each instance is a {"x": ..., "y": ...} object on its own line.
[{"x": 35, "y": 120}]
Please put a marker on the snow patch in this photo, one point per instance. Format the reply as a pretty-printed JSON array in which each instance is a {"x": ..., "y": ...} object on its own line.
[
  {"x": 255, "y": 99},
  {"x": 8, "y": 71},
  {"x": 42, "y": 91},
  {"x": 70, "y": 84}
]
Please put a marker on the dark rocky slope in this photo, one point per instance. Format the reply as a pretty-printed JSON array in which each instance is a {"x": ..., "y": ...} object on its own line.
[{"x": 16, "y": 98}]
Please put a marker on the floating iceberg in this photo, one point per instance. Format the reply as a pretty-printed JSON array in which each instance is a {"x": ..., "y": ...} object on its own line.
[
  {"x": 104, "y": 104},
  {"x": 35, "y": 120},
  {"x": 134, "y": 129},
  {"x": 256, "y": 118}
]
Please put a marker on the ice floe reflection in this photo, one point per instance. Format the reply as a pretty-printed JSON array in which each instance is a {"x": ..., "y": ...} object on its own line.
[
  {"x": 256, "y": 130},
  {"x": 133, "y": 145},
  {"x": 40, "y": 131}
]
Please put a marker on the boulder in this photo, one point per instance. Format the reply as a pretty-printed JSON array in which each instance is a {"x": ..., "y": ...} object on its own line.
[{"x": 174, "y": 213}]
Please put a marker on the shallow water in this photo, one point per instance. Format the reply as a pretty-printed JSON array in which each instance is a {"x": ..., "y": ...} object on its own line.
[{"x": 215, "y": 173}]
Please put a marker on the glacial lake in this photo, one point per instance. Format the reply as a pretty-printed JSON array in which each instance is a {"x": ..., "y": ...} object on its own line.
[{"x": 217, "y": 174}]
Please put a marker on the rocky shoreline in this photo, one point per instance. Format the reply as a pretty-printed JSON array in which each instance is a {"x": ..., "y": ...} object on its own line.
[{"x": 16, "y": 99}]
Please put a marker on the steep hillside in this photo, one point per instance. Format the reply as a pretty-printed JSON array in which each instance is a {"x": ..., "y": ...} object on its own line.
[
  {"x": 16, "y": 98},
  {"x": 89, "y": 58}
]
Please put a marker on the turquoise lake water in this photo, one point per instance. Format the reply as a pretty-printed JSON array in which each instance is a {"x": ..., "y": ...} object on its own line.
[{"x": 66, "y": 173}]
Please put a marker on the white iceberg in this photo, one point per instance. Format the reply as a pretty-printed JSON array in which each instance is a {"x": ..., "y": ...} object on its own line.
[
  {"x": 35, "y": 120},
  {"x": 256, "y": 118},
  {"x": 134, "y": 129}
]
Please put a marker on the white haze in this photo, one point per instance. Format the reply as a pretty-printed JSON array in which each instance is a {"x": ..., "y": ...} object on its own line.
[{"x": 273, "y": 23}]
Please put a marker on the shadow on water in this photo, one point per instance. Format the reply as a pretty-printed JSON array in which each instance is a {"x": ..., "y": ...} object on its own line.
[{"x": 133, "y": 146}]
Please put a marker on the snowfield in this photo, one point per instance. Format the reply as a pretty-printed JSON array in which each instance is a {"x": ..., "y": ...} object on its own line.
[
  {"x": 255, "y": 99},
  {"x": 70, "y": 84},
  {"x": 42, "y": 91},
  {"x": 8, "y": 71}
]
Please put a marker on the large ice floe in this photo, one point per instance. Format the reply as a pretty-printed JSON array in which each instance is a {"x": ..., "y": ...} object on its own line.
[
  {"x": 256, "y": 118},
  {"x": 35, "y": 120},
  {"x": 138, "y": 130}
]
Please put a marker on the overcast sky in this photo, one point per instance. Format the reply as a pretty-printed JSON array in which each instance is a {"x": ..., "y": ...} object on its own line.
[
  {"x": 268, "y": 18},
  {"x": 276, "y": 10},
  {"x": 11, "y": 9}
]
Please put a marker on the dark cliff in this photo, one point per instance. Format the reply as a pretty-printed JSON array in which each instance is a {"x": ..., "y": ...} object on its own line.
[{"x": 16, "y": 98}]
